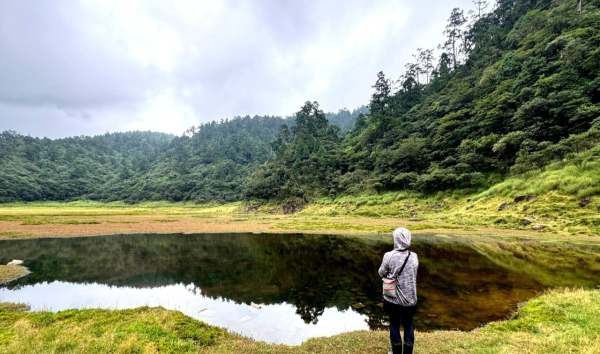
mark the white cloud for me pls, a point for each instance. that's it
(85, 67)
(164, 112)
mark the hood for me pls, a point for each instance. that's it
(401, 238)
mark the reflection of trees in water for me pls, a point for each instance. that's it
(310, 272)
(309, 314)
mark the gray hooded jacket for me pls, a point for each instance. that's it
(406, 287)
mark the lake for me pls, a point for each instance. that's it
(285, 288)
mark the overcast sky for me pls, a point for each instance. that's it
(88, 67)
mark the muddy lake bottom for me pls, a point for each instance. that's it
(278, 288)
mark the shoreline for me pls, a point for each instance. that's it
(470, 219)
(59, 226)
(560, 320)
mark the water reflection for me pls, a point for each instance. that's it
(306, 285)
(276, 323)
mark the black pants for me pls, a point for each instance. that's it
(401, 314)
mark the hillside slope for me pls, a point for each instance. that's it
(561, 199)
(522, 92)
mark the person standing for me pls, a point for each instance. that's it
(401, 265)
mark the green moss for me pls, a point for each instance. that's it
(168, 332)
(530, 317)
(198, 332)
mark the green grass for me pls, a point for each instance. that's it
(556, 194)
(79, 222)
(329, 225)
(12, 234)
(560, 321)
(557, 190)
(563, 178)
(102, 331)
(83, 212)
(164, 220)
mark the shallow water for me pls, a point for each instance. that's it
(304, 285)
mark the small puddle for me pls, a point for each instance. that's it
(281, 288)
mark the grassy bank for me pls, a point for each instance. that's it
(560, 321)
(551, 215)
(93, 218)
(9, 273)
(564, 198)
(547, 213)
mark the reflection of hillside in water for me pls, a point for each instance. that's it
(458, 287)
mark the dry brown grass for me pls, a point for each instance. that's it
(27, 222)
(9, 273)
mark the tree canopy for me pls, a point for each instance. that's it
(512, 90)
(208, 163)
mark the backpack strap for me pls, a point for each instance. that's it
(403, 265)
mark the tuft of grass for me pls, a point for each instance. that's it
(164, 220)
(10, 273)
(80, 222)
(303, 225)
(565, 179)
(14, 234)
(142, 330)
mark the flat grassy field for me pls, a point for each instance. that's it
(548, 215)
(560, 321)
(88, 219)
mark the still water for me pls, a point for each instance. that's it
(276, 288)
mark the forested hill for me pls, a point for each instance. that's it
(71, 168)
(513, 90)
(210, 162)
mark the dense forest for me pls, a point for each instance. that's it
(209, 162)
(514, 88)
